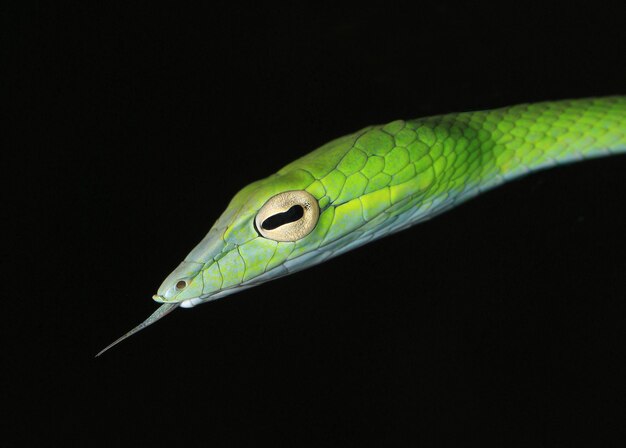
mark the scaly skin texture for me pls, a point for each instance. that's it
(384, 178)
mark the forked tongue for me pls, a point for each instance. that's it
(161, 311)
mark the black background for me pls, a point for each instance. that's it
(501, 322)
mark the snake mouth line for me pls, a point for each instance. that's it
(188, 303)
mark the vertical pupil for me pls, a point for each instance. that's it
(293, 214)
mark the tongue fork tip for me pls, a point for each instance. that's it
(160, 312)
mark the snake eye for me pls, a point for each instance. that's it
(288, 216)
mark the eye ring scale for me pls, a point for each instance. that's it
(288, 216)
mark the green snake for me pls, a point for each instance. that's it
(380, 180)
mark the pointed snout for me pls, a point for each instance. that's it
(177, 282)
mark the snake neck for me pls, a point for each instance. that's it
(502, 144)
(458, 156)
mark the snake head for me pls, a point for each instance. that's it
(263, 234)
(319, 206)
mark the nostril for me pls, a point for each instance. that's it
(181, 285)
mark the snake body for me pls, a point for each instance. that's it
(383, 179)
